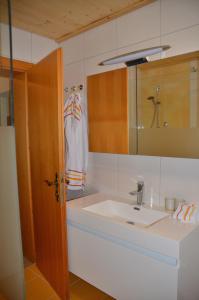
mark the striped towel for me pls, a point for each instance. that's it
(187, 213)
(73, 107)
(76, 142)
(75, 179)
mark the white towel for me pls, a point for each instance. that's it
(187, 213)
(76, 141)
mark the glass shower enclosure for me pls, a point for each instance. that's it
(11, 257)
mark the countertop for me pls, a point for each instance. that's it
(168, 227)
(164, 237)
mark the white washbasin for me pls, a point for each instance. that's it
(126, 212)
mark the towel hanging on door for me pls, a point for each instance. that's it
(76, 141)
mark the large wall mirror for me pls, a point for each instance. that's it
(160, 108)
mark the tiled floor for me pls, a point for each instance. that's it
(36, 285)
(37, 288)
(81, 290)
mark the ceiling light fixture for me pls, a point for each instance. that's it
(136, 57)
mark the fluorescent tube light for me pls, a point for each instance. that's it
(134, 56)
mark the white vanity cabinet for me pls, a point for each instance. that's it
(160, 262)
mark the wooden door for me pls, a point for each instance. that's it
(23, 164)
(46, 131)
(108, 112)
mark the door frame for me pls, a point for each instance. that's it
(18, 65)
(21, 67)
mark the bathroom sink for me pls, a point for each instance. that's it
(131, 214)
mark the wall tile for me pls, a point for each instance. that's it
(103, 179)
(41, 47)
(141, 45)
(104, 160)
(182, 41)
(133, 168)
(73, 49)
(139, 25)
(91, 157)
(100, 39)
(92, 64)
(178, 14)
(26, 46)
(89, 175)
(21, 44)
(103, 173)
(180, 179)
(74, 74)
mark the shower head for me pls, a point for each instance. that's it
(152, 99)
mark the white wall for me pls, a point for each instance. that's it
(27, 46)
(173, 22)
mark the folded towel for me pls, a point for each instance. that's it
(187, 213)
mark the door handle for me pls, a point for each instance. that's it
(49, 183)
(55, 183)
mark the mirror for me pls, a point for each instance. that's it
(148, 109)
(167, 106)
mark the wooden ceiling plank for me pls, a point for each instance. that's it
(61, 19)
(104, 20)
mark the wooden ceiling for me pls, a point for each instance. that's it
(62, 19)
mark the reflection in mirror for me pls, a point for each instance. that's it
(168, 107)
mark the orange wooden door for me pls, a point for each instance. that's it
(46, 131)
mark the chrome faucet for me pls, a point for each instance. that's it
(139, 192)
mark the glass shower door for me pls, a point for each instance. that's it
(11, 257)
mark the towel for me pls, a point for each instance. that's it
(76, 142)
(187, 213)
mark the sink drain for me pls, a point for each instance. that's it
(130, 222)
(136, 208)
